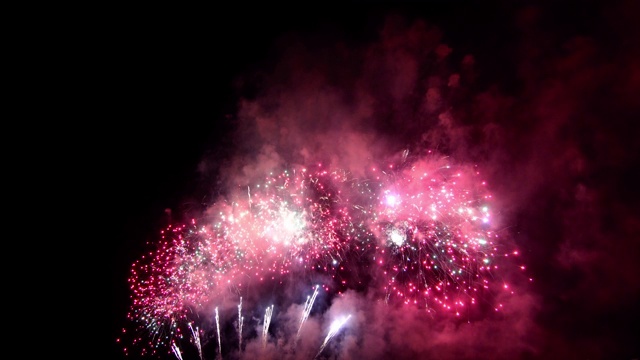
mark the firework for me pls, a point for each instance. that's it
(333, 330)
(196, 339)
(176, 350)
(240, 322)
(268, 313)
(417, 232)
(218, 332)
(436, 244)
(306, 310)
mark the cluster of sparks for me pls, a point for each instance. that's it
(419, 233)
(437, 244)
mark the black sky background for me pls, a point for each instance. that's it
(168, 95)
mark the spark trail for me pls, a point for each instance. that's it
(176, 350)
(265, 325)
(195, 333)
(307, 309)
(240, 322)
(333, 330)
(218, 331)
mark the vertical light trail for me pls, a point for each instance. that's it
(218, 329)
(240, 321)
(265, 326)
(196, 339)
(307, 309)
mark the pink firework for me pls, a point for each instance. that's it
(288, 224)
(421, 234)
(436, 243)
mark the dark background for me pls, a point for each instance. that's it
(164, 96)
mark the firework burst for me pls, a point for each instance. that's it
(419, 233)
(436, 244)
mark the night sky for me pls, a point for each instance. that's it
(542, 98)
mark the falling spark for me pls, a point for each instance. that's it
(333, 330)
(307, 309)
(265, 326)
